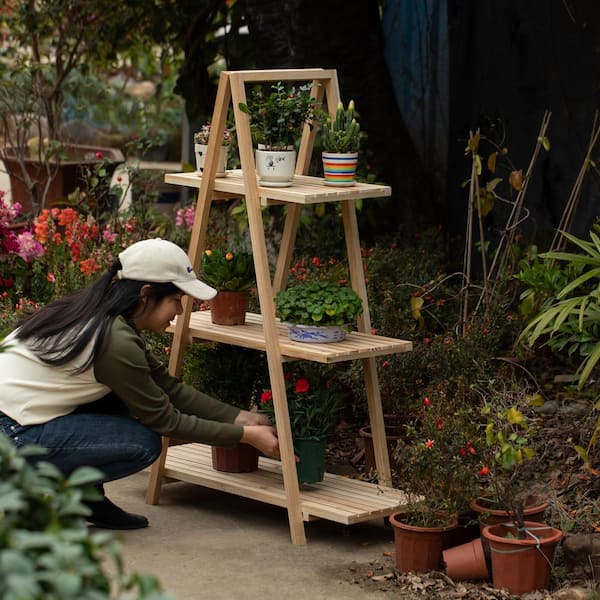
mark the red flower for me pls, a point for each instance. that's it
(99, 155)
(266, 396)
(463, 452)
(429, 444)
(427, 402)
(439, 423)
(302, 385)
(484, 471)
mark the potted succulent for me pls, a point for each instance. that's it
(231, 273)
(439, 465)
(201, 146)
(314, 405)
(341, 142)
(276, 123)
(319, 311)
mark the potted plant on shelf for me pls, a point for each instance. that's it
(314, 405)
(341, 142)
(209, 367)
(439, 469)
(520, 545)
(231, 273)
(319, 311)
(201, 147)
(276, 123)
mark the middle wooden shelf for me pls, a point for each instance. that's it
(251, 335)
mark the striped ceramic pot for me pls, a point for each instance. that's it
(340, 169)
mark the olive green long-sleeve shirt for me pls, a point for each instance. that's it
(32, 392)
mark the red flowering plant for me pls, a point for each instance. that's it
(314, 403)
(440, 461)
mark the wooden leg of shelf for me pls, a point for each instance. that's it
(382, 459)
(156, 475)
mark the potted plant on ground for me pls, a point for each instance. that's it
(201, 147)
(315, 404)
(341, 142)
(439, 467)
(319, 311)
(276, 123)
(231, 273)
(209, 367)
(521, 546)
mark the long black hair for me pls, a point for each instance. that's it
(60, 331)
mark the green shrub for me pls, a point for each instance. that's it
(46, 549)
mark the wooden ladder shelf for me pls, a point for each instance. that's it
(336, 498)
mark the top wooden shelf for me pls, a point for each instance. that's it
(305, 189)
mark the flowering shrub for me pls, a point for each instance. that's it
(314, 404)
(440, 458)
(229, 270)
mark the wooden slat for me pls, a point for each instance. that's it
(356, 345)
(336, 498)
(305, 189)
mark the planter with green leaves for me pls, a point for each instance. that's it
(318, 312)
(276, 123)
(341, 142)
(231, 273)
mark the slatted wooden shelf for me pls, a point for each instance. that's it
(336, 498)
(305, 189)
(356, 345)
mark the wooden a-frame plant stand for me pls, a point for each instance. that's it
(336, 498)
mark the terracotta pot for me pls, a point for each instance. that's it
(392, 435)
(241, 458)
(522, 565)
(488, 515)
(419, 549)
(229, 308)
(466, 561)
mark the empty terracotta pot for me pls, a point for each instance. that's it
(466, 562)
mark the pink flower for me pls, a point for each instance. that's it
(29, 247)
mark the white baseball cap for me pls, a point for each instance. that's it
(161, 261)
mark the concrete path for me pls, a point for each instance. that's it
(206, 544)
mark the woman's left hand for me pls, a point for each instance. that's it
(246, 417)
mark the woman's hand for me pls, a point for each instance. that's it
(245, 417)
(263, 438)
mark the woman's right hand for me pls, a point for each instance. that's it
(263, 438)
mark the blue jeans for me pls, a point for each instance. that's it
(100, 435)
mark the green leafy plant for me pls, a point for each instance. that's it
(569, 322)
(342, 133)
(228, 270)
(314, 403)
(318, 303)
(46, 549)
(277, 118)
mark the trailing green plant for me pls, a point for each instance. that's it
(277, 118)
(568, 322)
(342, 133)
(228, 270)
(318, 303)
(46, 549)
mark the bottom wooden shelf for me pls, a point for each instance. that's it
(336, 498)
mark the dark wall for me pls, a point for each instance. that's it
(510, 61)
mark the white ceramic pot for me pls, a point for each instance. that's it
(275, 168)
(200, 153)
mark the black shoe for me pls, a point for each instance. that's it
(107, 515)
